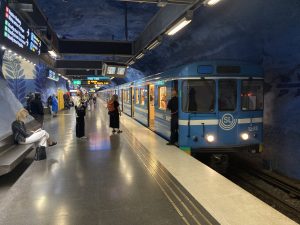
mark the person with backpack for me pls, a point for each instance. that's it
(114, 113)
(54, 105)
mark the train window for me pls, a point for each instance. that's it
(227, 95)
(162, 93)
(199, 96)
(142, 96)
(127, 96)
(137, 96)
(252, 95)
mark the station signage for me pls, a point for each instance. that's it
(52, 75)
(114, 70)
(77, 82)
(95, 82)
(15, 32)
(100, 78)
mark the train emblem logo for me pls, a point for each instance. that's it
(227, 122)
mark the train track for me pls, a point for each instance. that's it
(269, 189)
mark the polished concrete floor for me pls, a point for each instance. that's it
(99, 180)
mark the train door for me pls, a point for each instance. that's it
(151, 114)
(227, 108)
(132, 101)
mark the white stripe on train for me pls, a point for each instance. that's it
(216, 122)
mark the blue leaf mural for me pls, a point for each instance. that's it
(15, 77)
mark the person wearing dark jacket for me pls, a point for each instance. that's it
(37, 109)
(22, 136)
(114, 113)
(173, 107)
(80, 114)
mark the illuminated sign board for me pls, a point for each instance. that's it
(114, 70)
(14, 32)
(98, 78)
(77, 82)
(121, 71)
(95, 82)
(52, 75)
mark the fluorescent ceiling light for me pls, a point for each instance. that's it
(154, 44)
(212, 2)
(178, 26)
(141, 55)
(131, 62)
(52, 53)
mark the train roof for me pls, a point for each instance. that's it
(205, 69)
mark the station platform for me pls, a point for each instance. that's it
(128, 178)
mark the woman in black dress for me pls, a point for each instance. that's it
(114, 113)
(80, 114)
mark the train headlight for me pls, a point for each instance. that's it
(245, 136)
(210, 138)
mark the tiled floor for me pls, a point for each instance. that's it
(94, 181)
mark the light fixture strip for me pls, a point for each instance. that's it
(131, 62)
(153, 45)
(141, 55)
(52, 53)
(212, 2)
(178, 26)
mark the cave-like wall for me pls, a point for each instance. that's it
(265, 32)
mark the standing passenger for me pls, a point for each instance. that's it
(37, 109)
(54, 106)
(173, 106)
(49, 104)
(80, 114)
(113, 111)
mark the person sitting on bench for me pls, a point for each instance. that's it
(22, 136)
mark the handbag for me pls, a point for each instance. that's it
(40, 153)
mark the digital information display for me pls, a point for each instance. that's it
(15, 31)
(121, 71)
(113, 70)
(53, 76)
(95, 82)
(98, 78)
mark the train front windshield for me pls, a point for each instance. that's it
(199, 96)
(252, 95)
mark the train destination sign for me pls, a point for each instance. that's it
(14, 31)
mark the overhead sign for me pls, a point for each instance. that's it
(101, 78)
(95, 82)
(77, 82)
(52, 75)
(15, 32)
(114, 70)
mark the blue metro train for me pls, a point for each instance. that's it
(220, 105)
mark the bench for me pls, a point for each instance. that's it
(12, 154)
